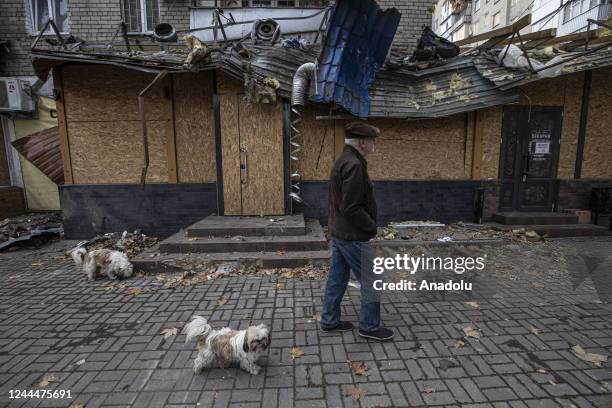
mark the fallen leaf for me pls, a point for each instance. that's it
(223, 300)
(596, 359)
(296, 353)
(316, 317)
(541, 370)
(280, 286)
(46, 380)
(76, 405)
(135, 291)
(288, 275)
(429, 390)
(473, 304)
(37, 264)
(360, 368)
(459, 344)
(535, 330)
(355, 392)
(169, 332)
(80, 362)
(469, 331)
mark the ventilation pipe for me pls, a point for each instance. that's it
(301, 85)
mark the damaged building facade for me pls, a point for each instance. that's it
(462, 137)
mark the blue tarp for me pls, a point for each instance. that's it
(355, 45)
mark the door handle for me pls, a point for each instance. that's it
(244, 165)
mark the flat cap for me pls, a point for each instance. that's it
(360, 130)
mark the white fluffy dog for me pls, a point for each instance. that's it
(224, 346)
(102, 262)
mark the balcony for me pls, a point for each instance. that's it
(579, 23)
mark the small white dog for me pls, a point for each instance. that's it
(102, 262)
(224, 346)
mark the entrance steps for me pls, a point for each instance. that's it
(553, 225)
(269, 242)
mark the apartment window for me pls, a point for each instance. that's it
(476, 27)
(496, 19)
(476, 5)
(285, 3)
(43, 10)
(141, 16)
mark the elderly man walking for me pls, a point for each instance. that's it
(352, 223)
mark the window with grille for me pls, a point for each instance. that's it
(43, 10)
(285, 3)
(140, 16)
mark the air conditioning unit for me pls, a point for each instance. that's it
(15, 95)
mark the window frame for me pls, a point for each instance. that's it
(498, 14)
(51, 10)
(144, 26)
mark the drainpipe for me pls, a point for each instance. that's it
(301, 85)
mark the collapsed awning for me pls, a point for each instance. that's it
(42, 149)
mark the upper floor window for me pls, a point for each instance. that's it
(476, 5)
(43, 10)
(140, 16)
(496, 19)
(285, 3)
(577, 7)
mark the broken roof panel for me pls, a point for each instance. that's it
(356, 42)
(42, 149)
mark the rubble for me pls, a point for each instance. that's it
(34, 228)
(130, 243)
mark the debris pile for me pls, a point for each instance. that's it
(429, 231)
(39, 227)
(130, 243)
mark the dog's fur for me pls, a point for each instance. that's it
(103, 262)
(224, 346)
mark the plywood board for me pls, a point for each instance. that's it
(103, 93)
(194, 127)
(112, 152)
(597, 162)
(317, 140)
(489, 128)
(63, 126)
(261, 135)
(424, 149)
(230, 150)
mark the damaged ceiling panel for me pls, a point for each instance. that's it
(355, 45)
(42, 149)
(441, 91)
(506, 78)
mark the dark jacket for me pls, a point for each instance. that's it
(352, 208)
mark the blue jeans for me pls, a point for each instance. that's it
(347, 256)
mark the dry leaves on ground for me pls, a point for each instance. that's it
(429, 390)
(296, 353)
(469, 331)
(169, 332)
(535, 330)
(473, 304)
(459, 344)
(223, 300)
(360, 368)
(135, 291)
(316, 317)
(596, 359)
(46, 380)
(355, 392)
(76, 405)
(280, 286)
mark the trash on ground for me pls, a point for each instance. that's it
(596, 359)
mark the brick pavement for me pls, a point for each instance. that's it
(51, 319)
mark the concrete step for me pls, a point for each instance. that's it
(224, 226)
(155, 262)
(535, 218)
(558, 231)
(313, 240)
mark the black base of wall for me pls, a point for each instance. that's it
(157, 210)
(577, 193)
(440, 200)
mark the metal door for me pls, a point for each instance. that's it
(529, 157)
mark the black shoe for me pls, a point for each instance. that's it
(341, 327)
(381, 334)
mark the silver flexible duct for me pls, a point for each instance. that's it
(301, 85)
